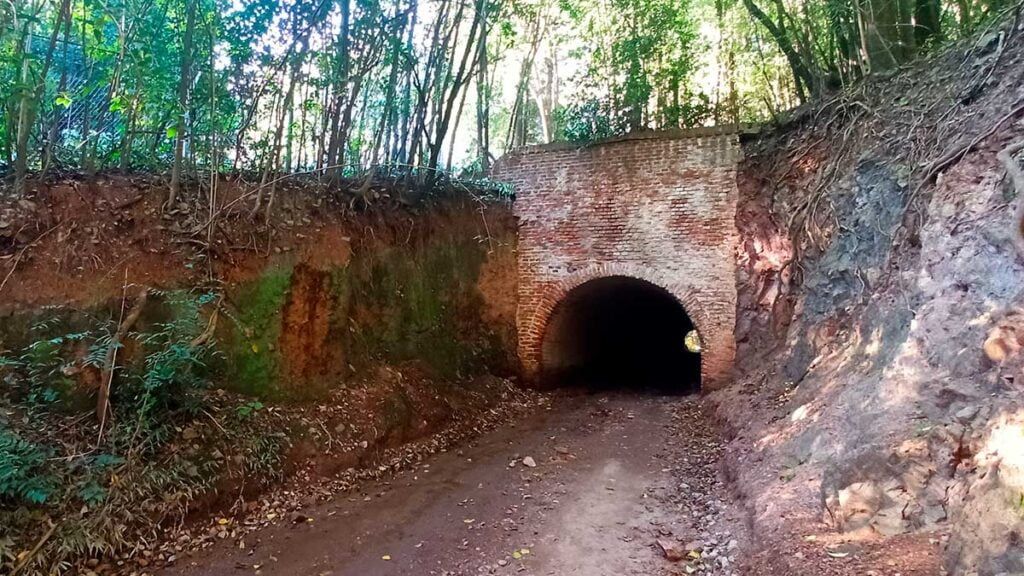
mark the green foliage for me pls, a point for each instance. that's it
(174, 367)
(585, 123)
(280, 86)
(248, 409)
(641, 55)
(104, 492)
(23, 475)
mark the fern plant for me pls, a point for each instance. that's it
(23, 475)
(103, 493)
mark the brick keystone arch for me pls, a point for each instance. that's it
(659, 207)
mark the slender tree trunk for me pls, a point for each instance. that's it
(51, 135)
(465, 71)
(342, 73)
(483, 98)
(24, 115)
(804, 79)
(184, 82)
(405, 120)
(927, 22)
(30, 98)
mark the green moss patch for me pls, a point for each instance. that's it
(251, 363)
(420, 303)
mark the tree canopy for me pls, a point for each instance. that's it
(353, 88)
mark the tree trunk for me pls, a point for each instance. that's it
(24, 117)
(465, 71)
(51, 134)
(483, 99)
(336, 144)
(927, 22)
(803, 77)
(184, 83)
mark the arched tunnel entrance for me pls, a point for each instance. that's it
(621, 332)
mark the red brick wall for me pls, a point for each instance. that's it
(658, 207)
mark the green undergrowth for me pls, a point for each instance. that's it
(195, 417)
(80, 490)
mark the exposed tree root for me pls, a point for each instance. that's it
(107, 375)
(1006, 156)
(17, 260)
(954, 156)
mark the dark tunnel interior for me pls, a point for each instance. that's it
(620, 333)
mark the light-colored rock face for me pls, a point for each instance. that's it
(659, 209)
(879, 383)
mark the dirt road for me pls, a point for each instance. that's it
(587, 487)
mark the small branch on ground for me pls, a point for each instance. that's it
(35, 549)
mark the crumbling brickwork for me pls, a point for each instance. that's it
(658, 207)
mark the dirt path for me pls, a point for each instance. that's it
(613, 474)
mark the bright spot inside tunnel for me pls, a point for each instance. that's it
(623, 333)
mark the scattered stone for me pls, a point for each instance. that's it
(529, 462)
(967, 413)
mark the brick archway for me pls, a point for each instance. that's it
(657, 206)
(718, 349)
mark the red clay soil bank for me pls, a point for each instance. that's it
(72, 239)
(876, 417)
(343, 338)
(76, 243)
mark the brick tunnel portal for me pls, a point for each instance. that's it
(620, 332)
(655, 210)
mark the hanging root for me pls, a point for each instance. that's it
(110, 360)
(1006, 156)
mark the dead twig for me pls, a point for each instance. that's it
(35, 549)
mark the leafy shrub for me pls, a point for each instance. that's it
(105, 491)
(23, 478)
(174, 367)
(587, 122)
